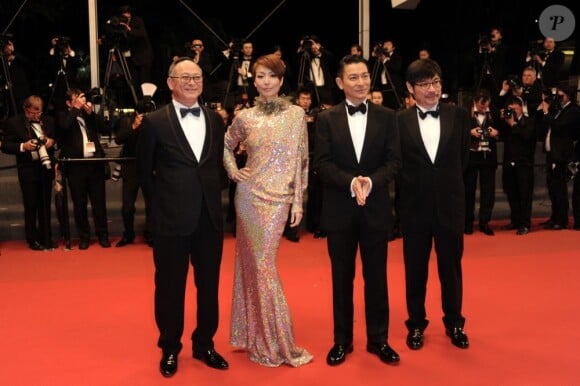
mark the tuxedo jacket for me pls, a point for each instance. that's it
(18, 130)
(336, 164)
(70, 137)
(519, 142)
(177, 182)
(564, 127)
(433, 193)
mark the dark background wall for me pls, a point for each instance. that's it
(448, 27)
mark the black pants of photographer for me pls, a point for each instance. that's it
(86, 180)
(518, 185)
(36, 187)
(486, 175)
(130, 192)
(557, 178)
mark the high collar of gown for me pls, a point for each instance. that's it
(274, 106)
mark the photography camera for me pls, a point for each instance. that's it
(536, 48)
(40, 152)
(514, 82)
(236, 49)
(554, 99)
(508, 113)
(307, 42)
(483, 141)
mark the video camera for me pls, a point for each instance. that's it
(508, 113)
(378, 50)
(484, 42)
(307, 42)
(62, 44)
(4, 40)
(236, 49)
(115, 30)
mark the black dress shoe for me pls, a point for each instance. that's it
(168, 364)
(576, 227)
(554, 227)
(458, 337)
(212, 359)
(124, 241)
(51, 245)
(509, 227)
(468, 229)
(104, 242)
(36, 246)
(84, 244)
(384, 352)
(293, 237)
(337, 354)
(522, 231)
(415, 339)
(547, 222)
(486, 230)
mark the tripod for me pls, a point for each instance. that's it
(116, 54)
(306, 63)
(8, 85)
(486, 72)
(375, 74)
(61, 78)
(233, 70)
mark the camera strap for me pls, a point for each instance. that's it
(37, 129)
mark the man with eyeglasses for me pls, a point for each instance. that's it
(179, 164)
(24, 135)
(435, 152)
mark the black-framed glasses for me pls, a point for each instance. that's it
(436, 83)
(188, 78)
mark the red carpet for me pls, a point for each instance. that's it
(86, 318)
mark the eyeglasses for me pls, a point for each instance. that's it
(436, 83)
(184, 79)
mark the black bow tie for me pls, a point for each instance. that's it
(477, 113)
(194, 110)
(353, 109)
(433, 113)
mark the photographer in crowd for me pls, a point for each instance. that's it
(62, 67)
(548, 62)
(30, 137)
(493, 60)
(18, 78)
(386, 73)
(317, 72)
(528, 89)
(519, 136)
(127, 135)
(560, 125)
(482, 162)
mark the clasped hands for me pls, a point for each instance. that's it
(361, 187)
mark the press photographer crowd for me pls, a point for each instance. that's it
(60, 130)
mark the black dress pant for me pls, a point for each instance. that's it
(518, 184)
(130, 192)
(36, 187)
(557, 181)
(486, 174)
(86, 181)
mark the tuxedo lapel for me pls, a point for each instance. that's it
(446, 124)
(343, 130)
(209, 136)
(178, 133)
(415, 134)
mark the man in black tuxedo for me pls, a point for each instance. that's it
(24, 136)
(549, 63)
(78, 137)
(519, 138)
(356, 156)
(435, 146)
(560, 122)
(179, 162)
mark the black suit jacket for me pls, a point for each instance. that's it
(174, 178)
(564, 126)
(18, 130)
(69, 135)
(434, 191)
(335, 162)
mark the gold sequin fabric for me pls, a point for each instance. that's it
(276, 145)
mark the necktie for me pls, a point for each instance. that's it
(423, 114)
(194, 110)
(353, 109)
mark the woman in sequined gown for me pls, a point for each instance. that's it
(272, 182)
